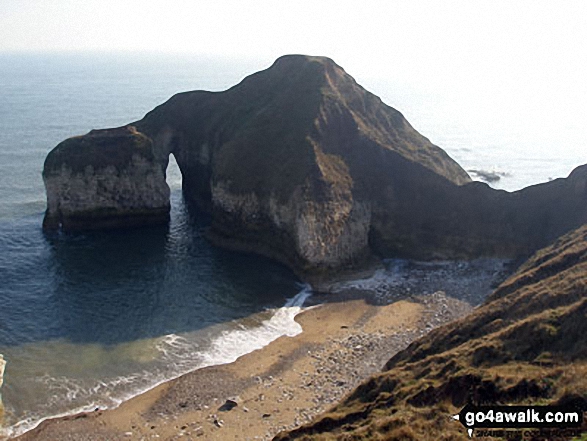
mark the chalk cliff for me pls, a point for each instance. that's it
(300, 163)
(524, 346)
(107, 178)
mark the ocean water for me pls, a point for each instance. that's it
(88, 320)
(522, 140)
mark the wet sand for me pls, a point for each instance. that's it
(348, 334)
(275, 388)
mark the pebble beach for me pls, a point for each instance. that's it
(347, 335)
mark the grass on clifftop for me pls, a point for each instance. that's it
(262, 132)
(526, 345)
(99, 149)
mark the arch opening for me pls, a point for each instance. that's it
(173, 175)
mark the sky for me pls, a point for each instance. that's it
(519, 63)
(461, 45)
(458, 39)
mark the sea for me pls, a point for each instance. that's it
(89, 320)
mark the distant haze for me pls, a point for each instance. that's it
(517, 68)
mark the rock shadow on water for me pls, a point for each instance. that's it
(115, 286)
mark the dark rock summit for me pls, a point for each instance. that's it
(300, 163)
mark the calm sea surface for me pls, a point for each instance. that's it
(87, 320)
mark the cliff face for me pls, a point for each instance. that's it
(278, 160)
(422, 217)
(301, 163)
(107, 178)
(526, 345)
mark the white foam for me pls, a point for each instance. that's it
(2, 365)
(179, 356)
(381, 277)
(231, 345)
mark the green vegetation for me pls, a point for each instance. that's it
(98, 149)
(266, 132)
(302, 140)
(526, 345)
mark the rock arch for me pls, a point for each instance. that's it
(300, 163)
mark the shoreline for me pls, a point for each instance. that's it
(277, 387)
(347, 335)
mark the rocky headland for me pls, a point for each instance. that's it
(300, 163)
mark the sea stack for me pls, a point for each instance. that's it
(107, 178)
(300, 163)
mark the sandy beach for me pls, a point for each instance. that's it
(275, 388)
(347, 335)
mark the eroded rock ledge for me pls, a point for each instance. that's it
(300, 163)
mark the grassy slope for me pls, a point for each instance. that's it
(351, 111)
(525, 345)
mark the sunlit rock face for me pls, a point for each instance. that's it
(107, 178)
(300, 163)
